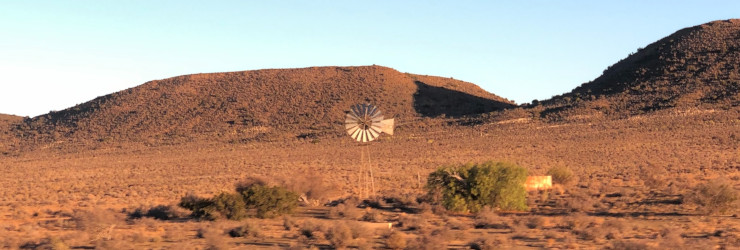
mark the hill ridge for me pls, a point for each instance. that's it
(694, 66)
(256, 105)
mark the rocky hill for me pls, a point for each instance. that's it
(694, 67)
(248, 105)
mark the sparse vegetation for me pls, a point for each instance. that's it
(396, 240)
(714, 197)
(561, 175)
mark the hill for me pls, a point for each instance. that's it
(260, 104)
(6, 122)
(694, 67)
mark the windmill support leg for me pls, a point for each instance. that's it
(370, 167)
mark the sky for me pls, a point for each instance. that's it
(57, 54)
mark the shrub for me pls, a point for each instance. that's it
(160, 212)
(561, 175)
(487, 218)
(436, 239)
(714, 197)
(230, 205)
(200, 207)
(628, 245)
(372, 216)
(249, 229)
(315, 189)
(270, 201)
(470, 187)
(490, 242)
(396, 240)
(289, 223)
(339, 235)
(345, 211)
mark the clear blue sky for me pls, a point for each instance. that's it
(55, 54)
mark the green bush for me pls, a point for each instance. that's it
(470, 187)
(230, 205)
(200, 207)
(270, 201)
(561, 175)
(267, 202)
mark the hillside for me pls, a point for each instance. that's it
(6, 137)
(694, 67)
(257, 105)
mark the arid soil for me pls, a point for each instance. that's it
(47, 193)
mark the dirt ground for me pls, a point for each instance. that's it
(633, 175)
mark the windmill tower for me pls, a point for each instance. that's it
(364, 123)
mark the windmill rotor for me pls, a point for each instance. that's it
(365, 123)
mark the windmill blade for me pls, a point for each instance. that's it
(351, 118)
(351, 128)
(356, 134)
(387, 126)
(373, 111)
(363, 135)
(356, 110)
(373, 133)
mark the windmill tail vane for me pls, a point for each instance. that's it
(365, 123)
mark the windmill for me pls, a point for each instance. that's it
(364, 123)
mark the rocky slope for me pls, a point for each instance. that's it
(248, 105)
(694, 67)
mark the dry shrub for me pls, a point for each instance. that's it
(714, 197)
(53, 243)
(614, 228)
(339, 235)
(112, 244)
(536, 222)
(372, 215)
(577, 222)
(577, 202)
(629, 245)
(487, 218)
(358, 229)
(313, 189)
(214, 236)
(98, 222)
(396, 240)
(289, 222)
(313, 228)
(413, 222)
(160, 212)
(436, 239)
(561, 175)
(671, 238)
(248, 229)
(490, 242)
(174, 233)
(250, 181)
(653, 177)
(345, 211)
(453, 223)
